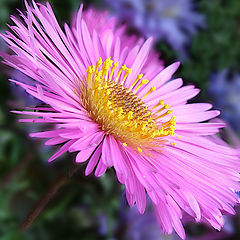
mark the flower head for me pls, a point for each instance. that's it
(111, 102)
(171, 20)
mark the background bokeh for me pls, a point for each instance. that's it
(205, 36)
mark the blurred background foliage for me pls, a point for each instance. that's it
(217, 47)
(86, 207)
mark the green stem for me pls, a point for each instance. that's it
(41, 204)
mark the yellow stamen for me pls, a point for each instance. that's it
(139, 149)
(122, 68)
(105, 68)
(139, 76)
(120, 112)
(144, 81)
(165, 114)
(171, 122)
(152, 89)
(89, 73)
(166, 106)
(160, 103)
(99, 63)
(112, 71)
(128, 71)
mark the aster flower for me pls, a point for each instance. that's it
(112, 103)
(173, 21)
(224, 90)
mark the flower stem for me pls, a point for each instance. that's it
(41, 204)
(6, 179)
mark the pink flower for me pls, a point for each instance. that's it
(112, 103)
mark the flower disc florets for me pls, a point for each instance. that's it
(119, 111)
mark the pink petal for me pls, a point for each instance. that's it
(84, 155)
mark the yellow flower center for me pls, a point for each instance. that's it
(120, 112)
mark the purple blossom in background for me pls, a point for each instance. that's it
(135, 226)
(173, 21)
(17, 92)
(20, 93)
(224, 90)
